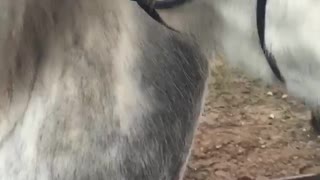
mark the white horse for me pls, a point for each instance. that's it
(95, 90)
(289, 37)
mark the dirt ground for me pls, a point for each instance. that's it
(249, 131)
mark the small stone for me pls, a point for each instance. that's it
(263, 146)
(284, 96)
(240, 151)
(218, 146)
(271, 116)
(270, 93)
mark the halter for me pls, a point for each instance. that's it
(152, 13)
(261, 13)
(167, 4)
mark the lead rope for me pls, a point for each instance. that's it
(261, 12)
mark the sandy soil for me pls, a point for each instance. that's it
(249, 131)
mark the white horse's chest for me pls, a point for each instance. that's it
(18, 152)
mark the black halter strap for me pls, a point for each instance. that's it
(261, 12)
(153, 13)
(167, 4)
